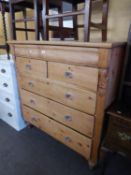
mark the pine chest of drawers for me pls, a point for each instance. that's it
(66, 87)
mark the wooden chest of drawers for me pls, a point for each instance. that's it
(65, 88)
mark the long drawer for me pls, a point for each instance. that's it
(82, 76)
(74, 55)
(74, 140)
(69, 95)
(37, 68)
(76, 120)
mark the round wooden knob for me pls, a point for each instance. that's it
(68, 75)
(67, 139)
(67, 118)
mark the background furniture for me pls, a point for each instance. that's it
(10, 110)
(3, 9)
(124, 96)
(42, 17)
(68, 103)
(118, 136)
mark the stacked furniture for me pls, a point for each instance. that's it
(65, 88)
(3, 9)
(10, 110)
(42, 17)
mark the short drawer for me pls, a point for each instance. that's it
(73, 55)
(74, 140)
(80, 99)
(74, 119)
(32, 67)
(85, 77)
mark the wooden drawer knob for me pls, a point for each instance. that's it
(68, 75)
(68, 96)
(30, 84)
(28, 67)
(33, 119)
(3, 71)
(5, 84)
(32, 101)
(67, 118)
(67, 139)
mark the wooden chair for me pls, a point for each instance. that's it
(21, 6)
(87, 11)
(3, 10)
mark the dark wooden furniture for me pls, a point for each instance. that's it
(42, 18)
(21, 6)
(118, 137)
(3, 9)
(86, 11)
(124, 97)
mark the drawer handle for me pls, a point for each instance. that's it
(67, 118)
(3, 71)
(67, 139)
(7, 99)
(32, 101)
(5, 84)
(33, 119)
(124, 137)
(30, 84)
(68, 96)
(10, 115)
(68, 75)
(28, 66)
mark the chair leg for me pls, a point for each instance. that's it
(45, 21)
(75, 21)
(25, 23)
(87, 19)
(12, 21)
(105, 9)
(36, 14)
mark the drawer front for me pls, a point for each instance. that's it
(35, 68)
(73, 97)
(82, 76)
(74, 140)
(73, 55)
(76, 120)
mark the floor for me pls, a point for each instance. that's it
(32, 152)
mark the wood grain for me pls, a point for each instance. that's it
(71, 96)
(74, 119)
(84, 77)
(36, 68)
(74, 140)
